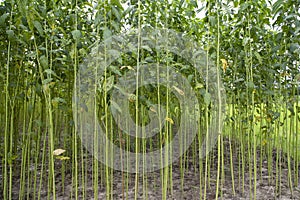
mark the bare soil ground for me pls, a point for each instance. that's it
(187, 187)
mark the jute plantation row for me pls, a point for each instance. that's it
(69, 69)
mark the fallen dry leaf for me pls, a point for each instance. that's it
(58, 152)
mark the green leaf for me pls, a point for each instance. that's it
(207, 98)
(297, 30)
(276, 6)
(250, 85)
(2, 76)
(113, 52)
(115, 106)
(59, 100)
(146, 47)
(117, 3)
(149, 59)
(76, 34)
(51, 72)
(109, 83)
(245, 41)
(239, 80)
(194, 3)
(244, 6)
(212, 20)
(116, 13)
(11, 158)
(3, 18)
(106, 33)
(190, 78)
(294, 46)
(11, 35)
(39, 27)
(115, 25)
(46, 81)
(44, 61)
(115, 69)
(297, 77)
(290, 16)
(258, 57)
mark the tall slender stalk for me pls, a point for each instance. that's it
(7, 190)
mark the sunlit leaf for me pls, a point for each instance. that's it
(199, 86)
(58, 152)
(178, 90)
(132, 98)
(224, 64)
(127, 66)
(62, 157)
(153, 110)
(169, 120)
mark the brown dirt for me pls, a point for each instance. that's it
(188, 189)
